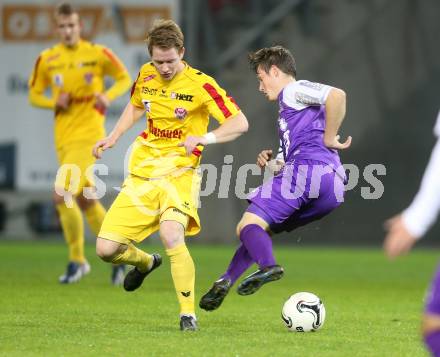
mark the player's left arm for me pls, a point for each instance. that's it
(233, 122)
(335, 108)
(113, 67)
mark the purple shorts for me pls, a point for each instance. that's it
(305, 191)
(433, 297)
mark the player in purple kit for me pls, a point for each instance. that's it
(309, 178)
(406, 228)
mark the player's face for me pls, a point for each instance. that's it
(168, 62)
(268, 83)
(69, 29)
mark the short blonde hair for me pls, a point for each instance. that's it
(165, 34)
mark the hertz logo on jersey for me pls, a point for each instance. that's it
(180, 96)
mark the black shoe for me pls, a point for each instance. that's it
(214, 297)
(254, 281)
(188, 323)
(134, 278)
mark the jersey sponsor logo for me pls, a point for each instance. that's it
(82, 100)
(58, 79)
(149, 91)
(53, 57)
(164, 133)
(56, 67)
(88, 64)
(305, 98)
(149, 78)
(180, 113)
(312, 85)
(181, 96)
(147, 105)
(163, 93)
(88, 77)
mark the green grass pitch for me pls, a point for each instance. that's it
(373, 306)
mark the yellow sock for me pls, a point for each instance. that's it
(183, 273)
(134, 256)
(95, 216)
(73, 229)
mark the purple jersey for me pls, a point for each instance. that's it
(302, 123)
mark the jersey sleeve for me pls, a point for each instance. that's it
(113, 67)
(303, 94)
(135, 93)
(218, 104)
(424, 209)
(39, 81)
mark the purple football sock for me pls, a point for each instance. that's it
(258, 244)
(239, 264)
(432, 340)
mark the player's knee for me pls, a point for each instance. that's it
(107, 250)
(171, 235)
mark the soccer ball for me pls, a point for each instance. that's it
(303, 312)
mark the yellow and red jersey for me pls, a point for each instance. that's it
(174, 110)
(78, 71)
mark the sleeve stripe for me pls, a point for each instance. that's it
(112, 58)
(218, 99)
(37, 63)
(133, 87)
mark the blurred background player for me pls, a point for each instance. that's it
(310, 115)
(412, 224)
(161, 192)
(74, 70)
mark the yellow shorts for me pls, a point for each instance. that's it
(143, 203)
(74, 161)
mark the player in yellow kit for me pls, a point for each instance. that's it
(74, 70)
(161, 191)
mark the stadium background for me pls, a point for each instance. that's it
(383, 53)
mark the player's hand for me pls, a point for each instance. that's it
(263, 158)
(398, 240)
(62, 102)
(191, 143)
(275, 166)
(101, 102)
(336, 144)
(103, 145)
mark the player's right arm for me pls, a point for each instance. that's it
(131, 114)
(38, 83)
(335, 113)
(412, 224)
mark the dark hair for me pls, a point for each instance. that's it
(279, 56)
(65, 9)
(164, 34)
